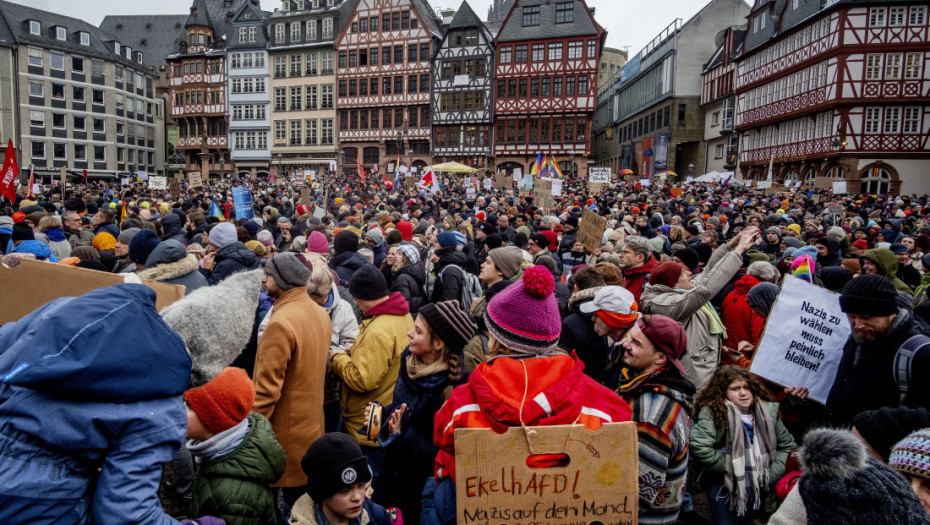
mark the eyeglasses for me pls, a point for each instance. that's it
(531, 243)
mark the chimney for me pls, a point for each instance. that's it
(193, 10)
(447, 15)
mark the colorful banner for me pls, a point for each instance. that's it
(242, 197)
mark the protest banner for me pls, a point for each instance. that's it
(158, 183)
(194, 180)
(591, 230)
(500, 180)
(34, 283)
(542, 194)
(599, 175)
(764, 184)
(839, 187)
(242, 198)
(596, 483)
(803, 340)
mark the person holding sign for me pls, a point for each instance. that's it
(739, 443)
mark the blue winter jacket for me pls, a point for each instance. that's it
(90, 409)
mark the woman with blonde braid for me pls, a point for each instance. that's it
(431, 366)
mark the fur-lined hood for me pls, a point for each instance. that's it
(830, 453)
(581, 296)
(171, 270)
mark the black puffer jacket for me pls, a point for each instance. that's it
(231, 259)
(578, 335)
(409, 282)
(171, 223)
(345, 264)
(448, 287)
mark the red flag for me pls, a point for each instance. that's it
(122, 213)
(85, 176)
(9, 173)
(31, 178)
(361, 172)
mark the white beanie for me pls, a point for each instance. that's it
(223, 234)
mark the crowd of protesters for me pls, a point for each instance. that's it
(328, 347)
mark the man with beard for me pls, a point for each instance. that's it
(866, 379)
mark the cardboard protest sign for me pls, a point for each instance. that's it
(591, 230)
(823, 183)
(599, 484)
(500, 180)
(194, 180)
(242, 198)
(410, 182)
(175, 186)
(839, 187)
(595, 187)
(304, 195)
(158, 183)
(600, 175)
(803, 339)
(508, 181)
(35, 283)
(836, 209)
(542, 192)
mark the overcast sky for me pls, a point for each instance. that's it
(628, 23)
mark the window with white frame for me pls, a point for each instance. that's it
(279, 33)
(893, 66)
(326, 100)
(35, 28)
(574, 50)
(918, 15)
(715, 118)
(892, 119)
(310, 132)
(36, 88)
(295, 133)
(38, 150)
(873, 120)
(36, 118)
(506, 55)
(311, 63)
(896, 15)
(311, 97)
(326, 131)
(912, 66)
(100, 153)
(311, 30)
(80, 123)
(243, 34)
(34, 56)
(877, 17)
(873, 66)
(911, 122)
(85, 39)
(295, 31)
(327, 28)
(555, 51)
(61, 33)
(718, 151)
(80, 152)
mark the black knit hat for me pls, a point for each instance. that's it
(22, 232)
(142, 245)
(884, 427)
(541, 240)
(450, 323)
(334, 463)
(869, 295)
(345, 241)
(688, 257)
(368, 283)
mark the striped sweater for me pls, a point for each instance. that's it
(662, 402)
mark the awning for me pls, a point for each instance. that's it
(290, 162)
(262, 164)
(453, 167)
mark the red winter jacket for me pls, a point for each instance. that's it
(634, 279)
(741, 323)
(559, 394)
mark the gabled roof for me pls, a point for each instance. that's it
(428, 17)
(248, 15)
(465, 18)
(157, 36)
(15, 30)
(583, 23)
(199, 16)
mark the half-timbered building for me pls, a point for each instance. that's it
(546, 64)
(461, 97)
(832, 90)
(383, 84)
(718, 100)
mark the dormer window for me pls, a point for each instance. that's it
(61, 33)
(139, 56)
(128, 53)
(85, 38)
(287, 6)
(35, 28)
(116, 47)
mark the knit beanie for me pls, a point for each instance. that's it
(525, 317)
(368, 284)
(85, 253)
(862, 244)
(263, 237)
(553, 239)
(125, 236)
(507, 260)
(836, 230)
(806, 250)
(298, 244)
(410, 252)
(872, 295)
(22, 232)
(446, 239)
(842, 484)
(345, 241)
(762, 296)
(103, 241)
(460, 239)
(223, 234)
(289, 270)
(252, 227)
(796, 228)
(884, 427)
(317, 243)
(911, 456)
(332, 464)
(666, 274)
(541, 240)
(142, 245)
(375, 235)
(450, 323)
(688, 257)
(792, 242)
(224, 401)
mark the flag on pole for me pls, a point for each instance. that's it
(361, 172)
(771, 162)
(31, 178)
(537, 166)
(429, 181)
(9, 173)
(554, 167)
(122, 213)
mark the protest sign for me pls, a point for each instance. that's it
(304, 195)
(175, 187)
(764, 184)
(319, 212)
(527, 182)
(591, 230)
(803, 339)
(597, 483)
(839, 187)
(556, 187)
(124, 181)
(645, 183)
(486, 183)
(194, 180)
(471, 193)
(599, 175)
(410, 181)
(508, 181)
(836, 209)
(142, 175)
(500, 180)
(595, 187)
(542, 194)
(469, 182)
(34, 283)
(158, 183)
(823, 183)
(242, 198)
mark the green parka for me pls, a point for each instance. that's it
(236, 487)
(887, 265)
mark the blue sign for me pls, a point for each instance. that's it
(242, 197)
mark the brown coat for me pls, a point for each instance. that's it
(289, 373)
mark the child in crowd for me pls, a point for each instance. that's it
(237, 452)
(338, 481)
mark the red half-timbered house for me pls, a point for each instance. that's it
(547, 55)
(383, 84)
(836, 90)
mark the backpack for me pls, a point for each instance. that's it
(903, 359)
(471, 287)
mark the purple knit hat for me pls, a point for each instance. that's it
(525, 316)
(317, 243)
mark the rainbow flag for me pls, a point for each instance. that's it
(554, 167)
(536, 170)
(803, 268)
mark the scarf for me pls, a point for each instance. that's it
(220, 444)
(747, 468)
(416, 369)
(55, 234)
(715, 325)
